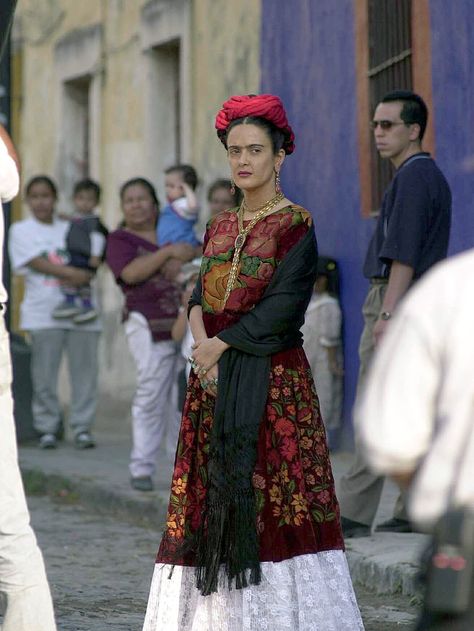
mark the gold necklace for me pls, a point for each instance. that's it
(242, 237)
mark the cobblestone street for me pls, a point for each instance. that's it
(100, 569)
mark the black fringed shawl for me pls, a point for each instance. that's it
(228, 534)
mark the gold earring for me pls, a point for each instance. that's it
(232, 187)
(277, 182)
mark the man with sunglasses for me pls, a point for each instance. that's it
(411, 235)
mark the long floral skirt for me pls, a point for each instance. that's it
(301, 545)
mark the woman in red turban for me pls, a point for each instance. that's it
(253, 526)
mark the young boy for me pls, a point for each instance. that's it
(178, 217)
(85, 244)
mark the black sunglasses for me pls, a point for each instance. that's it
(386, 125)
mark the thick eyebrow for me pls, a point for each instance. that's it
(247, 147)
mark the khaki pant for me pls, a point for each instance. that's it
(23, 579)
(359, 490)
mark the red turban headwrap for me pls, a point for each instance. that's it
(264, 106)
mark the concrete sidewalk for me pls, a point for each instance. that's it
(384, 563)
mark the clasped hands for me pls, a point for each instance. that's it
(206, 353)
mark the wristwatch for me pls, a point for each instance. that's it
(385, 315)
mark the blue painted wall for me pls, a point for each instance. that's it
(452, 42)
(307, 59)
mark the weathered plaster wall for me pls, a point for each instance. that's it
(226, 48)
(116, 45)
(38, 26)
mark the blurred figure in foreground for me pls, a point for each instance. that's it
(22, 575)
(323, 343)
(415, 422)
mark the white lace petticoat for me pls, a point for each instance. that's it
(312, 592)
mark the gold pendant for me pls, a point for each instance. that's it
(239, 241)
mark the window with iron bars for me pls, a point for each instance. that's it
(390, 68)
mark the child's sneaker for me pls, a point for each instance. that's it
(48, 441)
(84, 440)
(85, 314)
(65, 310)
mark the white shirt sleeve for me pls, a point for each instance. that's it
(330, 315)
(182, 208)
(21, 247)
(9, 176)
(97, 243)
(396, 413)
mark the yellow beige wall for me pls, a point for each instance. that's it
(223, 59)
(121, 47)
(226, 53)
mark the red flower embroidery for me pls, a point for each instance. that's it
(271, 414)
(222, 235)
(284, 427)
(261, 246)
(265, 271)
(188, 439)
(324, 497)
(289, 448)
(274, 458)
(291, 410)
(296, 470)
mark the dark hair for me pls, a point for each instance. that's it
(187, 172)
(223, 183)
(276, 136)
(140, 181)
(414, 109)
(41, 179)
(328, 268)
(87, 185)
